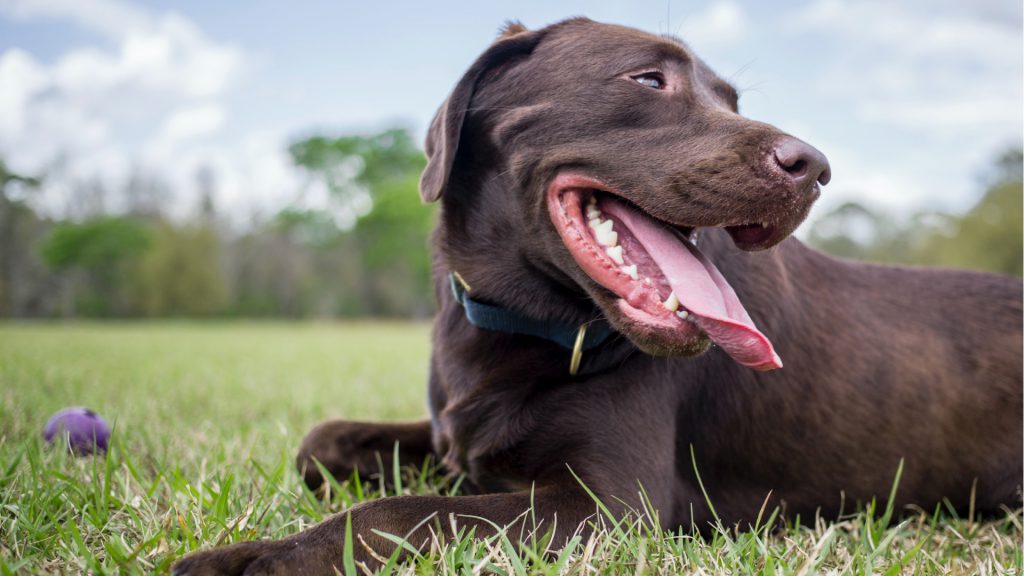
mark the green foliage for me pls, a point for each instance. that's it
(987, 237)
(314, 228)
(364, 254)
(393, 241)
(853, 230)
(181, 273)
(390, 155)
(399, 224)
(24, 289)
(105, 250)
(134, 267)
(388, 244)
(96, 244)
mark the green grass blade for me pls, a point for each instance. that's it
(348, 554)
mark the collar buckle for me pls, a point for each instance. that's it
(577, 350)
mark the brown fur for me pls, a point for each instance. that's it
(882, 364)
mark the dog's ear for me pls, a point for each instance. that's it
(443, 137)
(511, 28)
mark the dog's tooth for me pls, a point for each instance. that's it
(615, 253)
(630, 271)
(607, 238)
(683, 314)
(605, 235)
(671, 303)
(594, 223)
(593, 213)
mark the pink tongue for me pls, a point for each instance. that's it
(701, 289)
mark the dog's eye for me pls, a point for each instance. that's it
(651, 80)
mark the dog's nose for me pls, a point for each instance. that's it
(801, 162)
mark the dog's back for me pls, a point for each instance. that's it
(883, 364)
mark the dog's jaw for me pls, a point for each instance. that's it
(668, 298)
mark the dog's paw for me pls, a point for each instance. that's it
(342, 448)
(243, 559)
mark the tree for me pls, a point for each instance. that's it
(181, 273)
(27, 288)
(104, 250)
(375, 219)
(986, 237)
(360, 250)
(853, 230)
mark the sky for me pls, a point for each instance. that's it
(910, 100)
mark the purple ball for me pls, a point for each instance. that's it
(83, 431)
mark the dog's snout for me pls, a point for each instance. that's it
(801, 162)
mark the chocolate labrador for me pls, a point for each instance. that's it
(618, 296)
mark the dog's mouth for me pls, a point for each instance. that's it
(666, 290)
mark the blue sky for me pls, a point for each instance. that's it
(909, 99)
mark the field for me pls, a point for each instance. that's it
(207, 418)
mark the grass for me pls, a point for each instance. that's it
(207, 418)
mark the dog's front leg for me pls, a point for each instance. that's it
(344, 446)
(417, 519)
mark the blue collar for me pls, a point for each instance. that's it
(489, 317)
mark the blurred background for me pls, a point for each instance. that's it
(260, 159)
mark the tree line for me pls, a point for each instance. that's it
(988, 236)
(363, 255)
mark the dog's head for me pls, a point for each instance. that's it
(575, 165)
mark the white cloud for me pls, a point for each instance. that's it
(20, 78)
(109, 17)
(948, 72)
(722, 24)
(152, 99)
(191, 122)
(946, 114)
(169, 54)
(929, 91)
(253, 176)
(856, 177)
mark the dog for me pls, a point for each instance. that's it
(618, 294)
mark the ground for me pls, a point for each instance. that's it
(207, 417)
